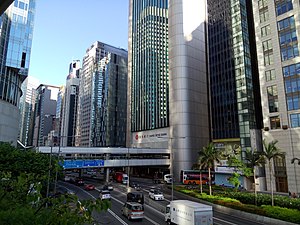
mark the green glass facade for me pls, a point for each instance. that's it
(235, 99)
(150, 73)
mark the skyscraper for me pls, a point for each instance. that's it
(27, 103)
(168, 105)
(102, 97)
(70, 105)
(16, 30)
(45, 115)
(234, 83)
(277, 30)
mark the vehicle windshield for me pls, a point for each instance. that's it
(167, 209)
(137, 207)
(157, 192)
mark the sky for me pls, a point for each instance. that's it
(65, 29)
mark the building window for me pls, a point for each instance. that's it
(293, 102)
(287, 37)
(289, 52)
(291, 70)
(265, 31)
(275, 122)
(286, 23)
(270, 75)
(263, 15)
(292, 85)
(262, 4)
(268, 58)
(283, 6)
(267, 45)
(272, 98)
(295, 120)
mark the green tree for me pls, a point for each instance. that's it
(207, 158)
(253, 159)
(270, 152)
(24, 176)
(234, 180)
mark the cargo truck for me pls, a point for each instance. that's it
(185, 212)
(121, 177)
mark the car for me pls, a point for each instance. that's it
(105, 195)
(67, 178)
(108, 187)
(156, 194)
(89, 187)
(79, 181)
(133, 210)
(135, 197)
(135, 186)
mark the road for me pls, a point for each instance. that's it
(154, 210)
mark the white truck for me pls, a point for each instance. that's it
(168, 178)
(185, 212)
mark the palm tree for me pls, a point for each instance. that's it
(270, 152)
(200, 168)
(252, 160)
(207, 158)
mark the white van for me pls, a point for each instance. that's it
(168, 178)
(133, 210)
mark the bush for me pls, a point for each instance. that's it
(245, 201)
(263, 199)
(290, 215)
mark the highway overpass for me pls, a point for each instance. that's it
(80, 157)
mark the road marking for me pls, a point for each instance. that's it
(151, 221)
(117, 217)
(110, 211)
(224, 221)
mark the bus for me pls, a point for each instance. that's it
(193, 177)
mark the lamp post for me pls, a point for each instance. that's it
(172, 160)
(58, 154)
(128, 170)
(49, 172)
(56, 172)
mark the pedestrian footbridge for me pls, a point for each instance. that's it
(97, 157)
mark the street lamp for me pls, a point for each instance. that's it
(58, 154)
(49, 172)
(172, 160)
(128, 170)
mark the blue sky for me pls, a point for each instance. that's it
(64, 29)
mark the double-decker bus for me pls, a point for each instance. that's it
(193, 176)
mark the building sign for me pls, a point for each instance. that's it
(73, 164)
(150, 136)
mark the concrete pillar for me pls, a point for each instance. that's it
(107, 156)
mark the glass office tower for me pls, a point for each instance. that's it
(16, 29)
(167, 80)
(45, 116)
(27, 103)
(102, 96)
(113, 110)
(234, 83)
(149, 65)
(70, 105)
